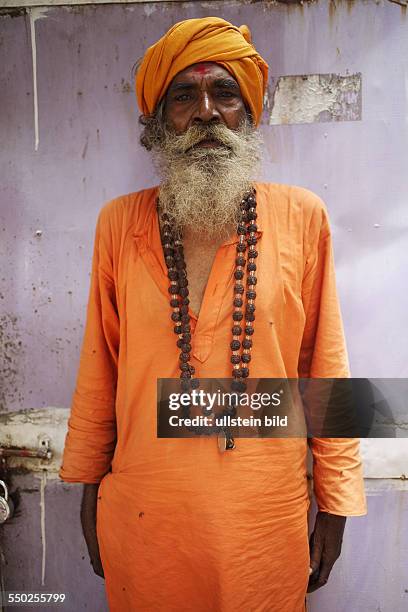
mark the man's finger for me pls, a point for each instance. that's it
(314, 585)
(320, 578)
(97, 568)
(315, 553)
(325, 568)
(97, 565)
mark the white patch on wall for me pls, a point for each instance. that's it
(34, 430)
(43, 483)
(149, 9)
(35, 14)
(385, 457)
(316, 98)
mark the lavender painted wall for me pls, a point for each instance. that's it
(88, 153)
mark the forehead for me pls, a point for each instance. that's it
(207, 70)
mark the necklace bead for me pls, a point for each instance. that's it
(238, 385)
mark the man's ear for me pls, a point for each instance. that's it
(249, 115)
(160, 110)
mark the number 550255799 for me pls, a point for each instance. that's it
(21, 598)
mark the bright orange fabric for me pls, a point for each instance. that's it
(181, 526)
(209, 39)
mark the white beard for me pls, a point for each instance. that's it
(202, 187)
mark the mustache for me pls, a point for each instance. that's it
(225, 137)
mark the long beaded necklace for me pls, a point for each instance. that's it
(179, 302)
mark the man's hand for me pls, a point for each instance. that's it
(325, 547)
(88, 521)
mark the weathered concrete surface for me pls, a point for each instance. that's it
(33, 430)
(316, 97)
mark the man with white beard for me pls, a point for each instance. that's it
(175, 524)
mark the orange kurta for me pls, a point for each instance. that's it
(181, 526)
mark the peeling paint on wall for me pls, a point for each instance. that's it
(385, 458)
(316, 98)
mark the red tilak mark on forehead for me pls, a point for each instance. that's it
(201, 69)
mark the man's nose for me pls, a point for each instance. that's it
(206, 110)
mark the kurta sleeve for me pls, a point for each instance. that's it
(337, 468)
(91, 437)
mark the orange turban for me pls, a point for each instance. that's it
(209, 39)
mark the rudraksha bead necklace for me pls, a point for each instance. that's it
(243, 321)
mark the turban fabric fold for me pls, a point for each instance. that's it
(209, 39)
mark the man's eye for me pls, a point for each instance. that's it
(182, 97)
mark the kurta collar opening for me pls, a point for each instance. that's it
(147, 229)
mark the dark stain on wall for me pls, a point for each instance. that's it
(11, 350)
(12, 12)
